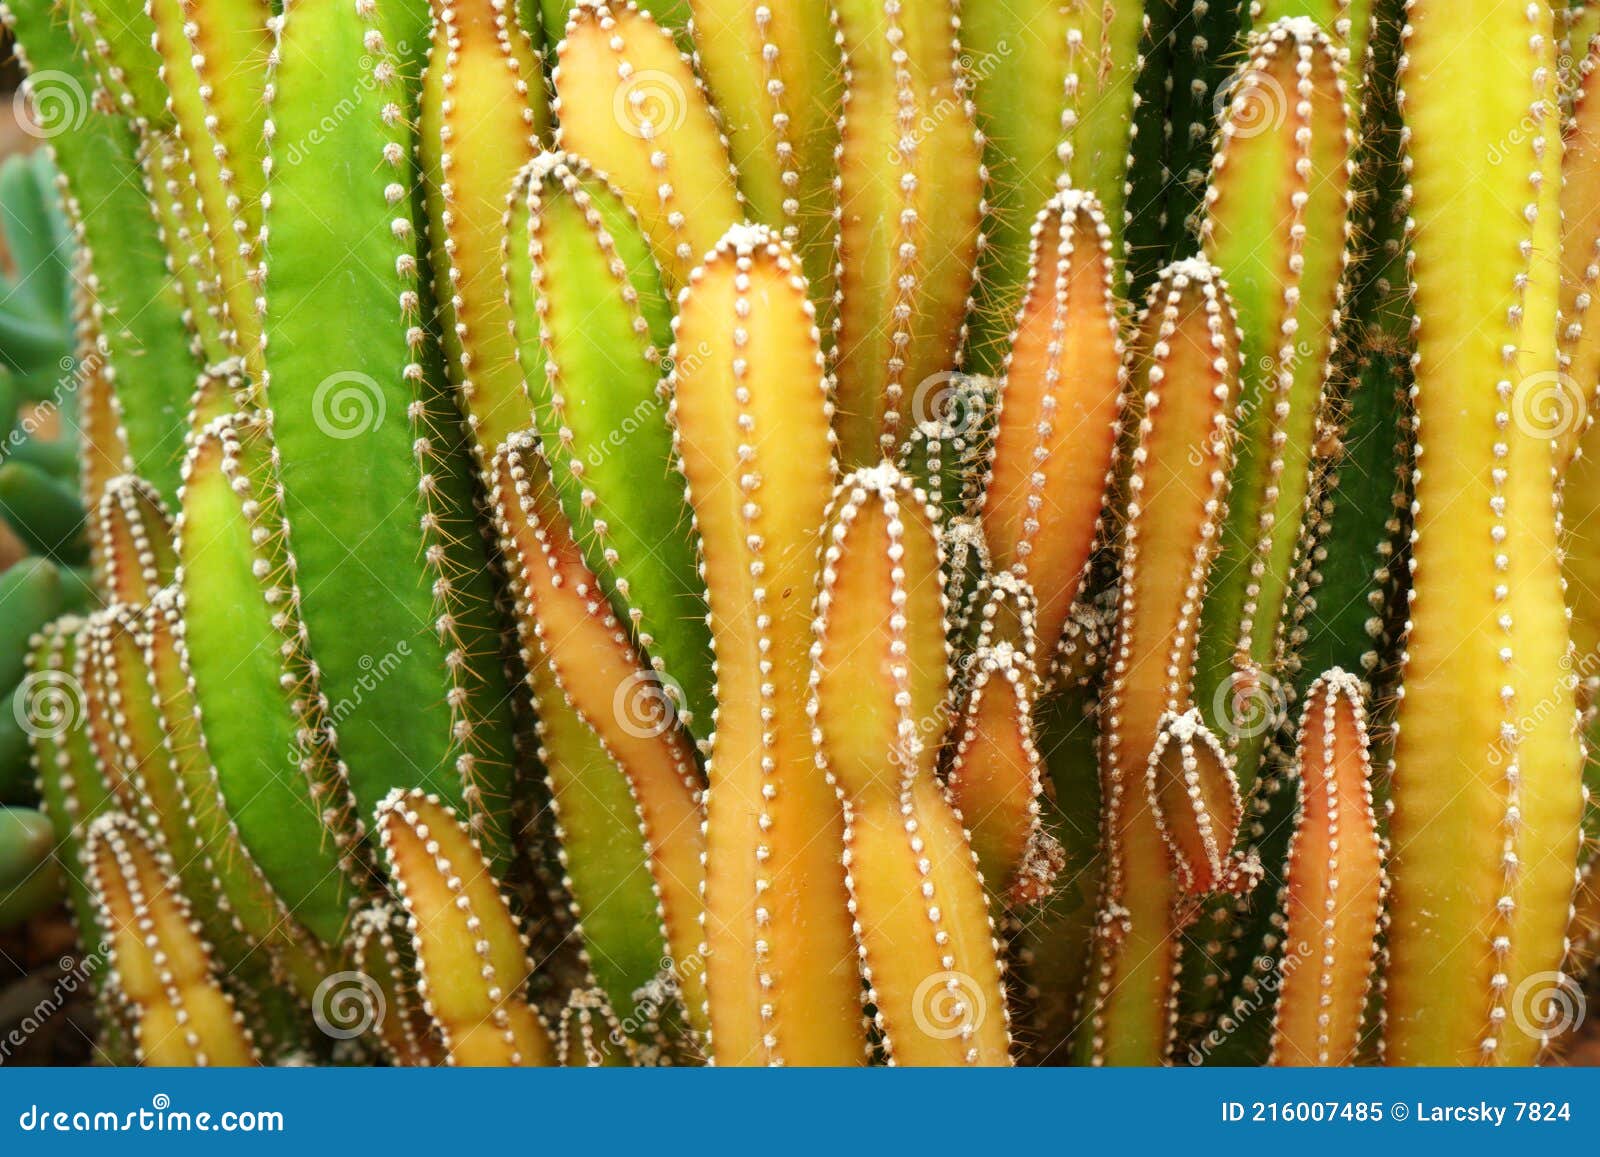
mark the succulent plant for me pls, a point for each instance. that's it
(879, 532)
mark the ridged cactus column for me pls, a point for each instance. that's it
(1187, 378)
(1487, 797)
(881, 674)
(752, 418)
(910, 195)
(1276, 225)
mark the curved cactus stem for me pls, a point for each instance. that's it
(588, 1035)
(136, 313)
(241, 648)
(880, 677)
(416, 681)
(472, 962)
(629, 102)
(911, 188)
(482, 115)
(773, 73)
(1334, 883)
(753, 437)
(1194, 797)
(381, 952)
(1186, 375)
(1077, 60)
(621, 773)
(1277, 225)
(1487, 795)
(1059, 413)
(163, 974)
(592, 324)
(131, 529)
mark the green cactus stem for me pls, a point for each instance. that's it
(30, 880)
(1487, 796)
(1277, 224)
(1059, 413)
(436, 713)
(773, 73)
(241, 649)
(880, 677)
(591, 325)
(752, 420)
(1077, 60)
(1187, 368)
(629, 102)
(911, 188)
(472, 962)
(1334, 883)
(165, 980)
(621, 772)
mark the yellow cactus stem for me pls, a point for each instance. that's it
(472, 961)
(911, 186)
(132, 541)
(1334, 889)
(165, 980)
(1059, 413)
(390, 1004)
(482, 114)
(752, 428)
(1194, 797)
(995, 778)
(773, 73)
(1186, 374)
(881, 678)
(103, 452)
(1564, 405)
(629, 102)
(1278, 226)
(582, 662)
(1487, 793)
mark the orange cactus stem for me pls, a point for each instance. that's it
(752, 428)
(1334, 883)
(881, 678)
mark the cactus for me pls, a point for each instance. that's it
(774, 892)
(1334, 883)
(910, 200)
(438, 634)
(1486, 727)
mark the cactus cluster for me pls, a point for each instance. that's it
(826, 533)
